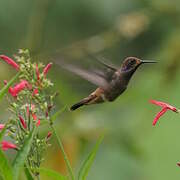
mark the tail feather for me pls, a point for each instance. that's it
(77, 105)
(84, 101)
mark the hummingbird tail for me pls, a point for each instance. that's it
(93, 98)
(77, 105)
(84, 101)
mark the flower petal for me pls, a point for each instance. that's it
(35, 91)
(34, 116)
(38, 122)
(17, 88)
(2, 126)
(159, 115)
(23, 122)
(5, 145)
(10, 61)
(163, 105)
(46, 69)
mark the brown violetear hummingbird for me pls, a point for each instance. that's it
(110, 84)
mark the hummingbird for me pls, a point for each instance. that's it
(110, 84)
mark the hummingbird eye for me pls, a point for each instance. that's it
(132, 62)
(129, 64)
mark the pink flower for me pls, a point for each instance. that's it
(5, 82)
(46, 69)
(5, 145)
(38, 122)
(2, 126)
(34, 116)
(17, 88)
(10, 61)
(35, 91)
(37, 72)
(165, 107)
(23, 122)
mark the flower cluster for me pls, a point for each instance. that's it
(165, 108)
(30, 104)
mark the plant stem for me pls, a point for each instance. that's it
(68, 165)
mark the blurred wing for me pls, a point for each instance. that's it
(102, 61)
(90, 76)
(109, 70)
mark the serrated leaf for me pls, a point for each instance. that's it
(52, 174)
(5, 168)
(4, 90)
(89, 160)
(20, 158)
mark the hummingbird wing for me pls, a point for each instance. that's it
(102, 61)
(94, 78)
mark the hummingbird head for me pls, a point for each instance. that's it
(130, 64)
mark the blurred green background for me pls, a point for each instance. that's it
(132, 148)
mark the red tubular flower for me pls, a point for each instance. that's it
(48, 135)
(38, 122)
(165, 107)
(10, 61)
(34, 116)
(5, 82)
(17, 88)
(5, 145)
(23, 122)
(46, 69)
(2, 126)
(37, 72)
(35, 91)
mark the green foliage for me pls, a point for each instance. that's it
(4, 90)
(28, 173)
(52, 174)
(68, 165)
(21, 156)
(5, 168)
(84, 170)
(58, 113)
(2, 132)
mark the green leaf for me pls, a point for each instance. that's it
(89, 160)
(54, 116)
(5, 168)
(28, 173)
(52, 174)
(20, 158)
(4, 90)
(2, 132)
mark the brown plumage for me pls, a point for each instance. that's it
(110, 84)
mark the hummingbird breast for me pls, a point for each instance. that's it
(116, 87)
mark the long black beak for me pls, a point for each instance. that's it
(147, 61)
